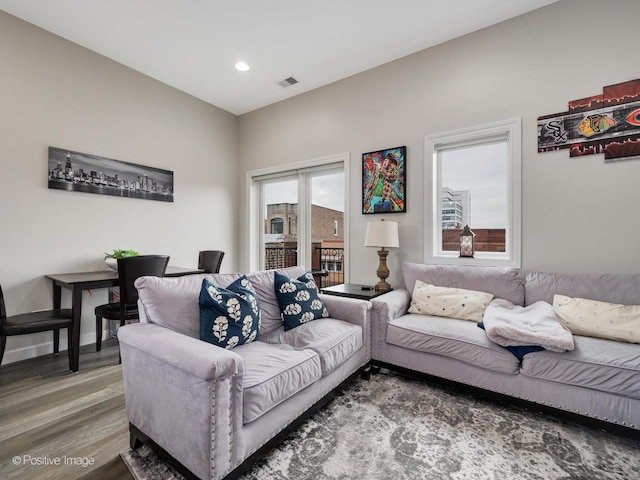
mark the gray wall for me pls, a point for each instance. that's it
(53, 92)
(578, 214)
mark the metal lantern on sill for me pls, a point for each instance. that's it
(466, 242)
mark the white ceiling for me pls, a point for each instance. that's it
(193, 45)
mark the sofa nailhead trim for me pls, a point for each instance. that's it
(230, 418)
(213, 428)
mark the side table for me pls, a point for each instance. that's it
(352, 290)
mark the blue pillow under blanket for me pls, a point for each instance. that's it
(519, 351)
(229, 316)
(298, 300)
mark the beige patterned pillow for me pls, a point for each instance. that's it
(449, 302)
(591, 318)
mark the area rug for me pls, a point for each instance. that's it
(400, 428)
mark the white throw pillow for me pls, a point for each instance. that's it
(449, 302)
(591, 318)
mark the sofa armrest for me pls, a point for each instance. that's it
(392, 304)
(385, 308)
(348, 309)
(353, 311)
(189, 354)
(185, 395)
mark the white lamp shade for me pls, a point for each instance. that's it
(382, 234)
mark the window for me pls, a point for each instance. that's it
(277, 225)
(473, 176)
(310, 198)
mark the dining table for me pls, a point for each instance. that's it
(80, 281)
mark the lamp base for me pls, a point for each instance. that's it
(382, 286)
(382, 272)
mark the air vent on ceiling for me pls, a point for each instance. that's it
(287, 82)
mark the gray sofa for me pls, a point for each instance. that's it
(211, 409)
(599, 379)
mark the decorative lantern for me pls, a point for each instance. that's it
(466, 242)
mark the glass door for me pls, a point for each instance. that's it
(280, 218)
(326, 239)
(297, 218)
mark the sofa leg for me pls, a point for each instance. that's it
(134, 442)
(368, 370)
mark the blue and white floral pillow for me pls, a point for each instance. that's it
(229, 316)
(298, 300)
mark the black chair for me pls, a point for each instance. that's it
(129, 269)
(34, 322)
(210, 260)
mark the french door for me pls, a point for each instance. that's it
(300, 220)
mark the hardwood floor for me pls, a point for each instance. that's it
(56, 424)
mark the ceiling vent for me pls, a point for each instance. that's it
(287, 82)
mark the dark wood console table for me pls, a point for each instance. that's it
(77, 282)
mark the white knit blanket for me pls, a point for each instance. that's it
(511, 325)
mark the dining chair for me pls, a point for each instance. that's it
(210, 260)
(34, 322)
(129, 269)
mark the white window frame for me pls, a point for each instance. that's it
(255, 227)
(512, 130)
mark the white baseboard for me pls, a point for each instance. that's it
(45, 348)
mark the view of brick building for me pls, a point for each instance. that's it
(486, 239)
(327, 236)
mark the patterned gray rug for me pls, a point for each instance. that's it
(396, 427)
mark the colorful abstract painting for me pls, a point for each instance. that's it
(384, 181)
(607, 123)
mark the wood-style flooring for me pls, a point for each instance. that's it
(55, 424)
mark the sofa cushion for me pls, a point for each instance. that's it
(452, 338)
(333, 340)
(501, 282)
(449, 302)
(299, 299)
(273, 373)
(264, 285)
(594, 363)
(173, 302)
(229, 316)
(612, 288)
(591, 318)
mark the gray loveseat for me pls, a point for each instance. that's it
(210, 408)
(599, 379)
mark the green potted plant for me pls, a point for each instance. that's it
(111, 259)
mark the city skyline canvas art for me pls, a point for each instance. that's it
(83, 172)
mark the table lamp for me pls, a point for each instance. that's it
(384, 235)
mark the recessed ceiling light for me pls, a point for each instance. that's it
(243, 67)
